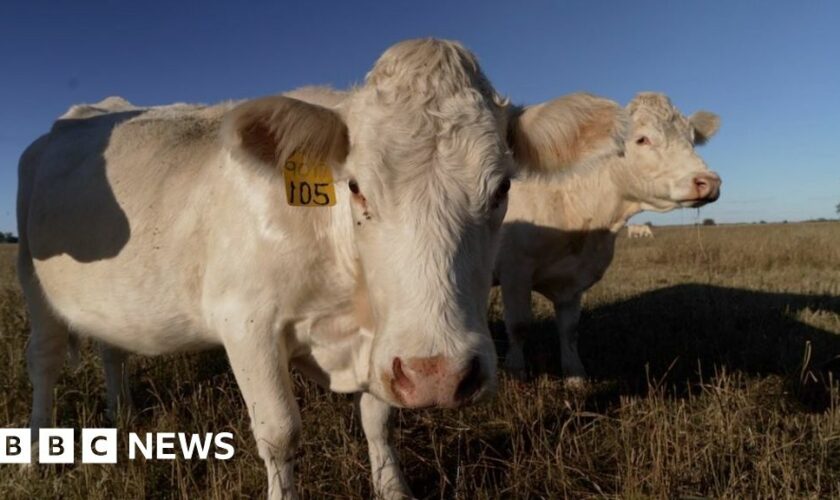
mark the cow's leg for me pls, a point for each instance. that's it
(567, 316)
(388, 481)
(116, 381)
(45, 354)
(516, 297)
(261, 367)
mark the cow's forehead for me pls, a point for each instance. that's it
(429, 83)
(427, 111)
(656, 110)
(427, 70)
(410, 155)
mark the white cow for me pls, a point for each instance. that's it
(156, 230)
(639, 231)
(559, 231)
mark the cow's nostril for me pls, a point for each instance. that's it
(400, 378)
(702, 186)
(471, 383)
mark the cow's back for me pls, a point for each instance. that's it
(111, 207)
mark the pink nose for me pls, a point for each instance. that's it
(707, 186)
(422, 382)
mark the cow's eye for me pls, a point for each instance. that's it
(354, 186)
(643, 141)
(501, 193)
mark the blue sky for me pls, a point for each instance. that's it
(770, 69)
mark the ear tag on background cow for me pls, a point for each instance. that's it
(308, 184)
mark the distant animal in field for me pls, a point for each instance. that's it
(559, 233)
(352, 238)
(639, 231)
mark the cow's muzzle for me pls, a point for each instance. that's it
(437, 381)
(706, 188)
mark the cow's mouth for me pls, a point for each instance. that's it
(697, 202)
(693, 203)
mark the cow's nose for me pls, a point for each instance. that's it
(707, 186)
(436, 381)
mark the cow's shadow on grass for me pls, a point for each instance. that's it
(683, 334)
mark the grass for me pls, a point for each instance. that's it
(714, 352)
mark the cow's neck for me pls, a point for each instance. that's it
(595, 196)
(314, 245)
(620, 171)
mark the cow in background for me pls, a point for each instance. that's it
(560, 229)
(639, 231)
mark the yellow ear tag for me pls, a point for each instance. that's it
(308, 184)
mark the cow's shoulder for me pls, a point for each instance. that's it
(112, 104)
(176, 124)
(116, 122)
(321, 95)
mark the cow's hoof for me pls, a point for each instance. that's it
(391, 495)
(397, 492)
(34, 460)
(27, 469)
(575, 383)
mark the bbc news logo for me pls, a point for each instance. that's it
(99, 446)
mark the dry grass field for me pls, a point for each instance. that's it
(703, 387)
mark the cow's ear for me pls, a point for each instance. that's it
(705, 125)
(271, 129)
(566, 131)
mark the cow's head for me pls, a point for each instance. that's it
(425, 150)
(667, 172)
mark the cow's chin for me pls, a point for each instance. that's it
(681, 199)
(692, 203)
(661, 205)
(668, 205)
(685, 196)
(695, 202)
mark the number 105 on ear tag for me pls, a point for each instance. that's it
(308, 184)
